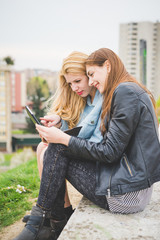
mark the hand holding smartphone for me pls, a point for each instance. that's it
(73, 132)
(34, 119)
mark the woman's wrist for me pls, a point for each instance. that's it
(65, 140)
(59, 120)
(59, 124)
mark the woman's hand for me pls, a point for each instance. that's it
(43, 140)
(53, 135)
(51, 120)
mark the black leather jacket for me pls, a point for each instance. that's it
(128, 158)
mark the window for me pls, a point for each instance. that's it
(2, 133)
(2, 123)
(2, 104)
(2, 94)
(2, 113)
(2, 83)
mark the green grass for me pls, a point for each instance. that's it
(8, 156)
(13, 205)
(7, 159)
(17, 131)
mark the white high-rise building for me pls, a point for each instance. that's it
(139, 49)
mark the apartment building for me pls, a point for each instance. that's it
(139, 49)
(18, 91)
(5, 109)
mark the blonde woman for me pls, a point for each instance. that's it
(74, 104)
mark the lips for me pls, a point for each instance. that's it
(80, 93)
(96, 85)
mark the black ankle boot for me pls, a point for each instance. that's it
(46, 221)
(57, 226)
(26, 218)
(68, 211)
(35, 229)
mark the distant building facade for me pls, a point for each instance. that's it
(5, 108)
(13, 98)
(139, 49)
(18, 91)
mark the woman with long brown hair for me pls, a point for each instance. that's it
(118, 173)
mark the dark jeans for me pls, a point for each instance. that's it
(58, 167)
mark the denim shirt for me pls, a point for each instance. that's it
(90, 120)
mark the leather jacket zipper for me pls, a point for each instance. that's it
(127, 164)
(108, 192)
(109, 188)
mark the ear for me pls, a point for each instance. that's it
(108, 65)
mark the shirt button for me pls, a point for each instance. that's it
(92, 122)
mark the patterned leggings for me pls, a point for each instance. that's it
(58, 167)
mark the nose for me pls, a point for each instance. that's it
(90, 82)
(74, 87)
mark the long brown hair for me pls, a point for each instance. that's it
(117, 75)
(66, 103)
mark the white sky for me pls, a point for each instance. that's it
(40, 33)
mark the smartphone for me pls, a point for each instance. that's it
(31, 115)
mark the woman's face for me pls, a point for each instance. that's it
(78, 84)
(98, 76)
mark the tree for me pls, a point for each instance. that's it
(158, 102)
(8, 60)
(38, 92)
(158, 108)
(34, 84)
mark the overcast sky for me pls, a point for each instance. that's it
(40, 33)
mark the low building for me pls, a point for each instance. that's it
(25, 140)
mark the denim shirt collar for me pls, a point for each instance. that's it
(96, 97)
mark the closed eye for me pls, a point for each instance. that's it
(90, 74)
(77, 81)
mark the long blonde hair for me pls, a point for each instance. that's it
(117, 75)
(66, 103)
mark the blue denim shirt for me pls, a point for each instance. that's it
(90, 120)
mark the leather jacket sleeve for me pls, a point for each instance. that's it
(125, 113)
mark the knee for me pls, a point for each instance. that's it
(40, 148)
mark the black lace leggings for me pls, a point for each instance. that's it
(58, 167)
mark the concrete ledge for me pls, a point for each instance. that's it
(93, 223)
